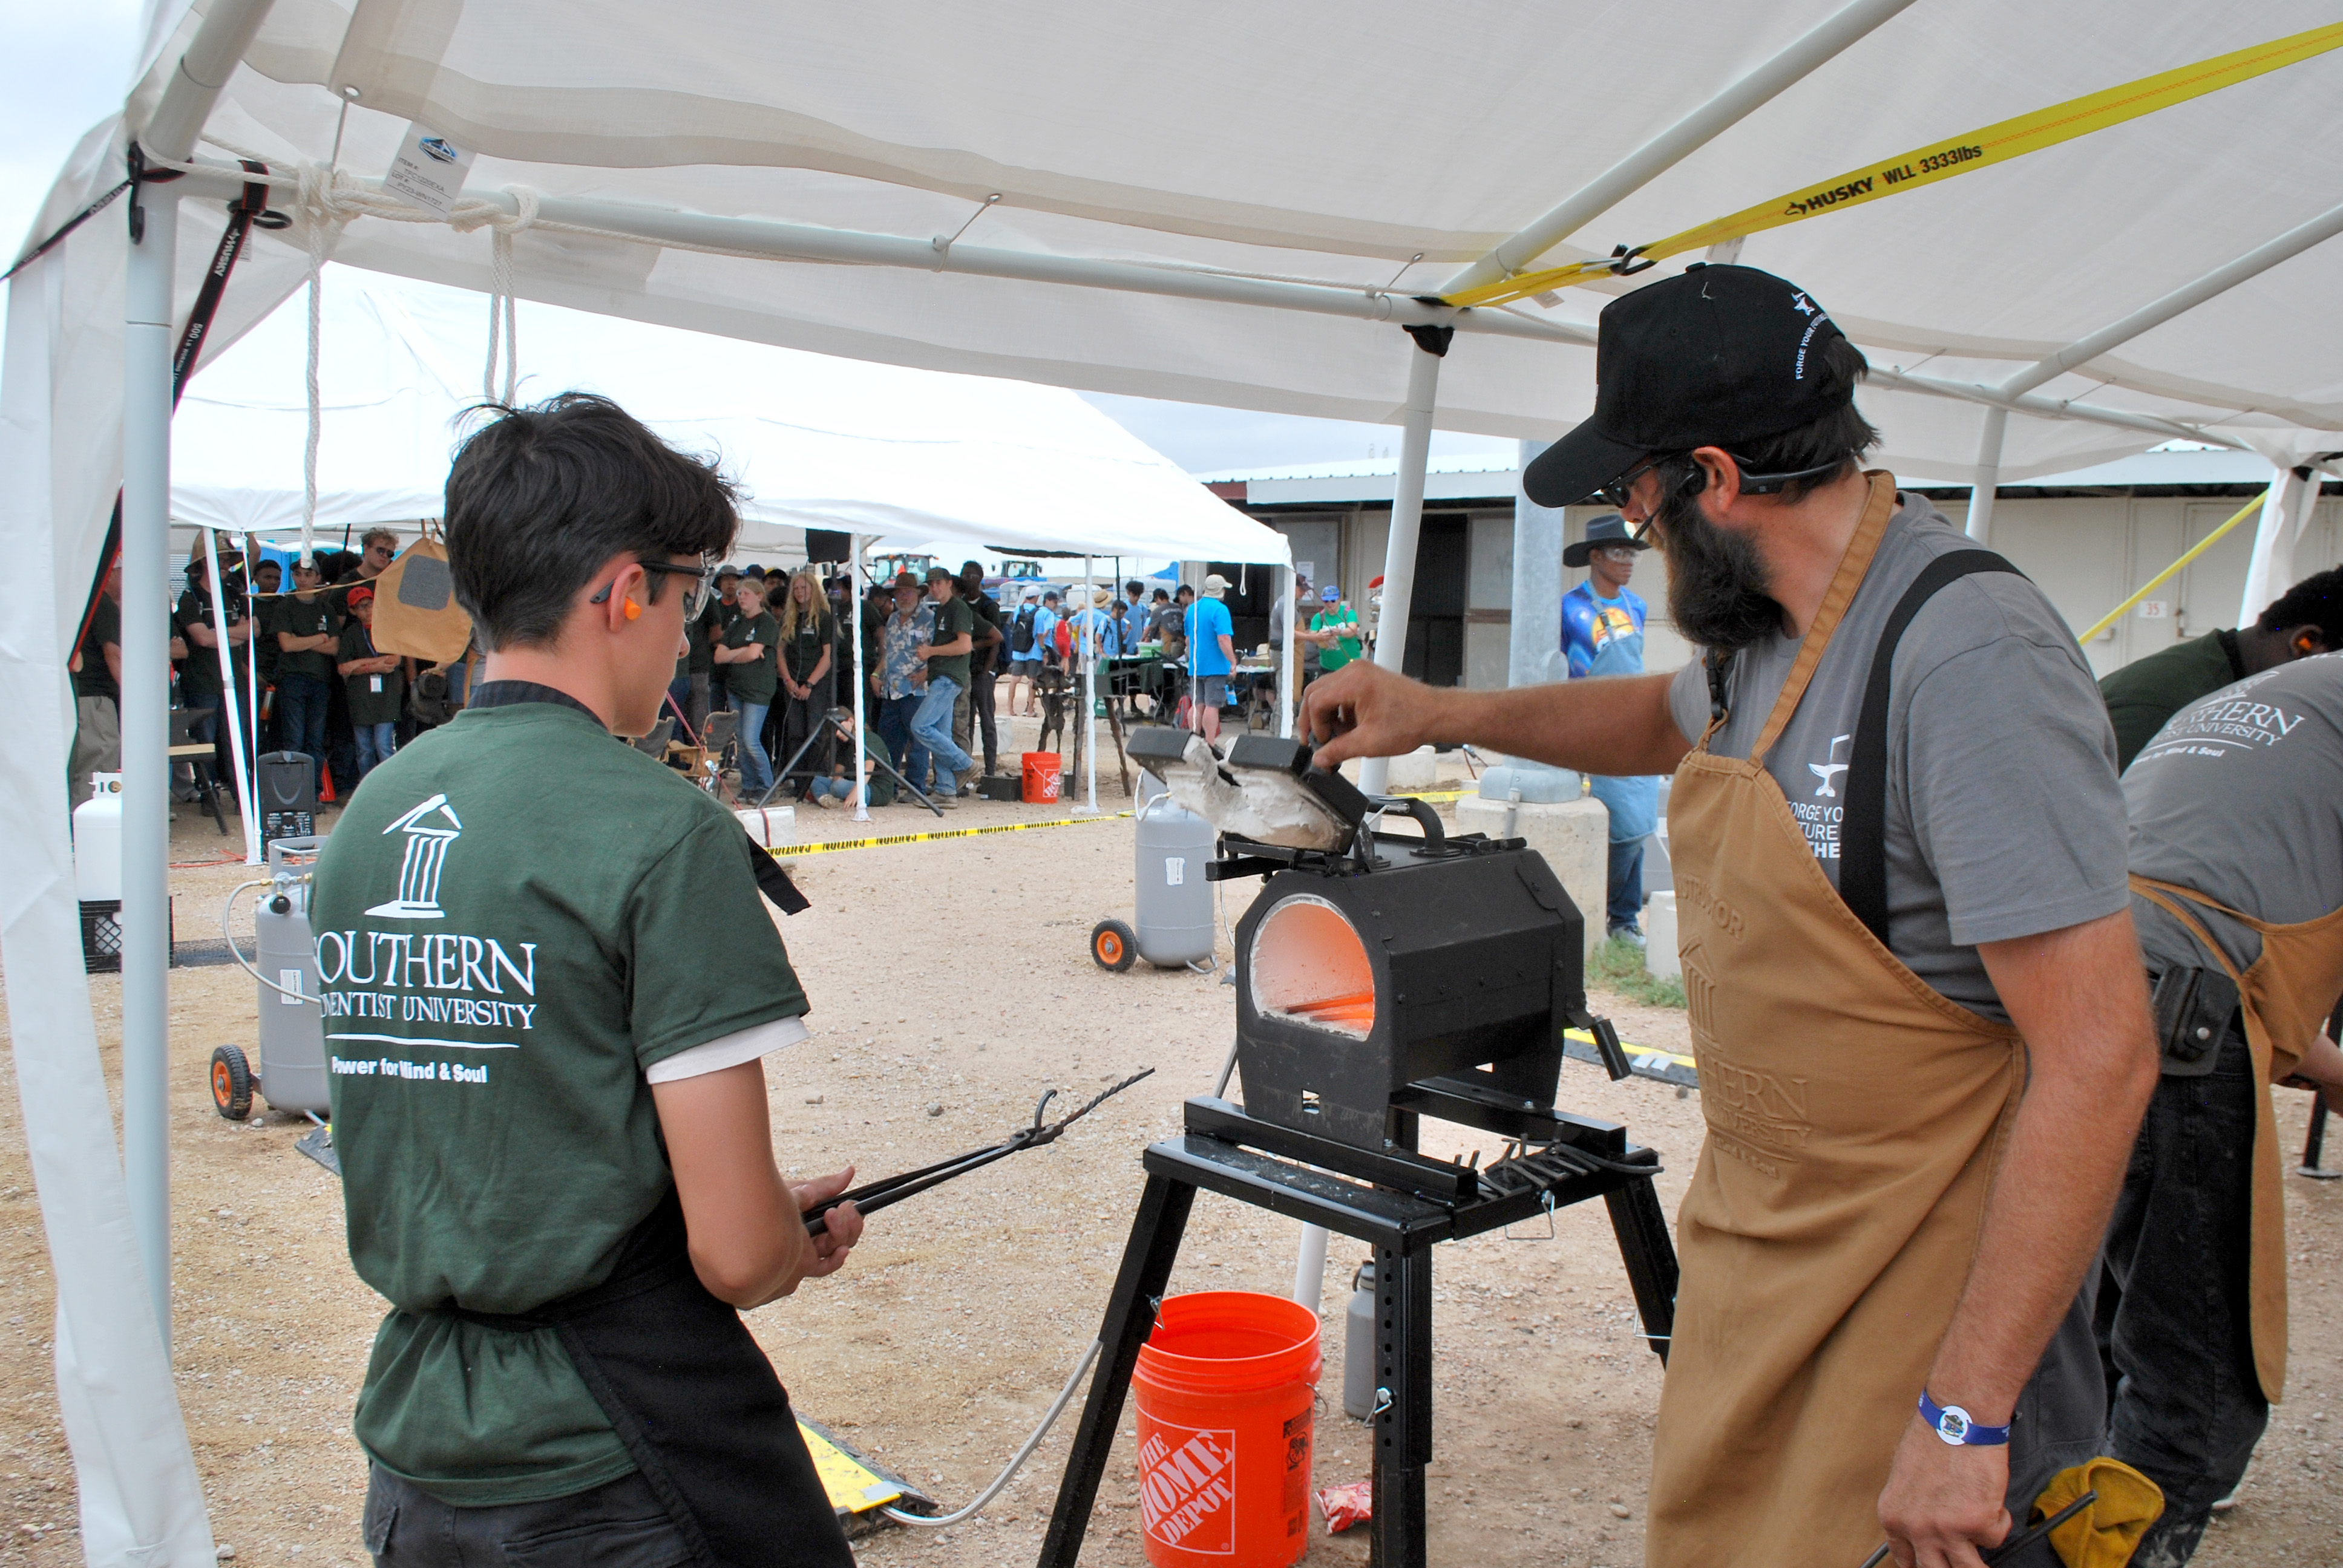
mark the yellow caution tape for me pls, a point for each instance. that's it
(782, 851)
(2168, 573)
(1940, 160)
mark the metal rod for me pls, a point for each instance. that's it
(231, 704)
(2155, 314)
(146, 740)
(1406, 524)
(855, 599)
(1088, 645)
(2048, 407)
(218, 48)
(1704, 124)
(1987, 478)
(1290, 580)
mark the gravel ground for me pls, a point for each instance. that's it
(964, 1311)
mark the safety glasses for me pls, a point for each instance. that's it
(695, 595)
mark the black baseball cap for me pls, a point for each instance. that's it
(1715, 355)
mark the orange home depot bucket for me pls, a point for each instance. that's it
(1042, 778)
(1226, 1388)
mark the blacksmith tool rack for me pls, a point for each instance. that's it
(1381, 978)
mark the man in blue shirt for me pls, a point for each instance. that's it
(1211, 655)
(1602, 634)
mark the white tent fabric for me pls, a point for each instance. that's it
(908, 458)
(1373, 146)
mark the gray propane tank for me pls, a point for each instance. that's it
(1359, 1346)
(1173, 902)
(292, 1033)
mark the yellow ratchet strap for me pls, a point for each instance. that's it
(1941, 160)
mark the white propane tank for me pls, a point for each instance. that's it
(97, 842)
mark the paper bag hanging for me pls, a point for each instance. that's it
(415, 607)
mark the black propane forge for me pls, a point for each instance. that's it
(1381, 978)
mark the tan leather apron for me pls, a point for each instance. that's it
(1855, 1120)
(2285, 996)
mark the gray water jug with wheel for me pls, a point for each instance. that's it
(292, 1033)
(1173, 902)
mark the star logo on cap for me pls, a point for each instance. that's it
(1802, 305)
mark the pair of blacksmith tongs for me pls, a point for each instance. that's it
(895, 1189)
(2024, 1538)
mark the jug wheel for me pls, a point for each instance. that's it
(1113, 946)
(231, 1083)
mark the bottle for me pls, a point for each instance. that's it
(1359, 1346)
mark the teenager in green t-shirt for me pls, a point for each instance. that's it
(549, 1106)
(309, 638)
(374, 681)
(1339, 642)
(749, 657)
(953, 640)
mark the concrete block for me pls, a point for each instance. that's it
(1575, 837)
(1660, 954)
(1419, 769)
(1659, 872)
(774, 827)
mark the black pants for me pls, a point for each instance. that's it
(618, 1524)
(979, 697)
(2185, 1405)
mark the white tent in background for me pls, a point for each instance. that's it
(908, 459)
(1223, 202)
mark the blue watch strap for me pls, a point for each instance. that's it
(1954, 1425)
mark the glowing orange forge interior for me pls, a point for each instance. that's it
(1308, 964)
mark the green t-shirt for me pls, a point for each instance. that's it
(498, 968)
(2146, 692)
(304, 618)
(704, 634)
(200, 676)
(720, 676)
(953, 617)
(374, 699)
(754, 680)
(804, 648)
(1344, 649)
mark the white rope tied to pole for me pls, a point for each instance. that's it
(501, 302)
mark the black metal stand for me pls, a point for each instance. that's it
(830, 722)
(1402, 1204)
(2315, 1144)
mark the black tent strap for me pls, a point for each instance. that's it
(71, 223)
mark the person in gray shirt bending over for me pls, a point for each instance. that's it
(2237, 859)
(1923, 1045)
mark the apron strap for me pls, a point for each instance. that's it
(2168, 896)
(1852, 567)
(1863, 831)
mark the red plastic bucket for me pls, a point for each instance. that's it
(1225, 1389)
(1041, 769)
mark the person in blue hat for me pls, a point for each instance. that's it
(1602, 634)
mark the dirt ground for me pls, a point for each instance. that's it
(965, 1309)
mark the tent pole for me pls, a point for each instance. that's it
(1406, 524)
(146, 739)
(2269, 571)
(252, 608)
(1086, 644)
(1704, 124)
(857, 789)
(1987, 477)
(1285, 676)
(231, 705)
(2048, 407)
(1534, 653)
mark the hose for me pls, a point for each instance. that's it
(938, 1521)
(227, 934)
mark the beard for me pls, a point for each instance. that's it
(1719, 594)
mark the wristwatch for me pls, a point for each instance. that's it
(1954, 1426)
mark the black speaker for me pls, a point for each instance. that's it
(828, 547)
(288, 781)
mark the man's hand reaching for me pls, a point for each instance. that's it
(1365, 710)
(1943, 1504)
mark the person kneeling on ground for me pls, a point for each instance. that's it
(561, 1172)
(880, 788)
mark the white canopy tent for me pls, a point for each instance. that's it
(907, 458)
(1217, 202)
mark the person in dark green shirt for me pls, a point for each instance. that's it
(2308, 619)
(749, 659)
(549, 1106)
(309, 640)
(948, 659)
(375, 683)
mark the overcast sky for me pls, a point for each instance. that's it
(65, 66)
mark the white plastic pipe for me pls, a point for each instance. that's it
(1987, 477)
(231, 704)
(1088, 645)
(1639, 168)
(1533, 654)
(213, 55)
(1406, 524)
(862, 675)
(1285, 676)
(1310, 1268)
(146, 740)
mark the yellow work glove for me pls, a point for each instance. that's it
(2104, 1534)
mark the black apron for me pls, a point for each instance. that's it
(696, 1404)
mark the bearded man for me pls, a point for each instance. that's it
(1923, 1039)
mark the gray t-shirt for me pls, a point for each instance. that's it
(2004, 815)
(2240, 796)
